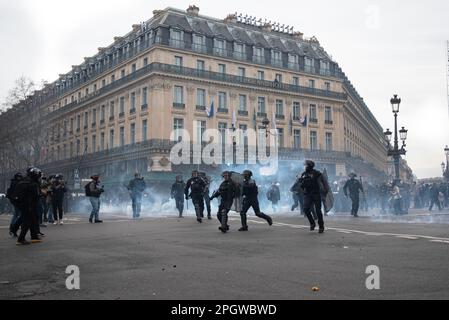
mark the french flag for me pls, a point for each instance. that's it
(210, 111)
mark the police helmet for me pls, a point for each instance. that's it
(226, 173)
(247, 173)
(18, 175)
(309, 164)
(34, 172)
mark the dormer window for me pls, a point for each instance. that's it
(239, 51)
(309, 65)
(199, 43)
(276, 58)
(293, 61)
(324, 68)
(259, 55)
(220, 47)
(176, 38)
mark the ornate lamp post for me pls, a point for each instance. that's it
(446, 172)
(394, 151)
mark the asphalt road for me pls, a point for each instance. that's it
(170, 258)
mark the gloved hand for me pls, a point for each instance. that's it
(187, 198)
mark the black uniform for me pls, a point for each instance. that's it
(177, 193)
(313, 184)
(57, 192)
(298, 196)
(207, 199)
(354, 186)
(27, 192)
(274, 195)
(197, 186)
(136, 187)
(227, 191)
(249, 194)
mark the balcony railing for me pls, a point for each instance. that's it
(329, 122)
(222, 110)
(209, 75)
(178, 105)
(261, 114)
(132, 111)
(280, 117)
(200, 108)
(144, 107)
(313, 120)
(243, 113)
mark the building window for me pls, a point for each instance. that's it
(71, 125)
(328, 115)
(133, 101)
(176, 39)
(178, 61)
(324, 68)
(241, 72)
(102, 141)
(242, 103)
(222, 127)
(260, 75)
(102, 113)
(239, 51)
(327, 86)
(295, 81)
(199, 43)
(222, 100)
(243, 136)
(86, 120)
(280, 137)
(259, 55)
(201, 128)
(111, 138)
(313, 114)
(178, 95)
(86, 145)
(201, 97)
(78, 147)
(112, 78)
(94, 117)
(122, 73)
(293, 61)
(71, 149)
(122, 106)
(309, 65)
(200, 65)
(329, 141)
(111, 110)
(133, 68)
(279, 107)
(311, 83)
(297, 139)
(144, 130)
(276, 58)
(122, 136)
(296, 110)
(178, 126)
(278, 78)
(222, 68)
(145, 62)
(220, 47)
(313, 141)
(145, 96)
(132, 132)
(261, 104)
(78, 122)
(94, 143)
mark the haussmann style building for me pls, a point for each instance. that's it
(114, 113)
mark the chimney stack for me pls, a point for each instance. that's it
(298, 35)
(193, 10)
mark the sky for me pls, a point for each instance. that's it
(385, 47)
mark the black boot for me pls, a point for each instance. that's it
(244, 227)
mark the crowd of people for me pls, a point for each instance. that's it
(36, 200)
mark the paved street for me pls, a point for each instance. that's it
(170, 258)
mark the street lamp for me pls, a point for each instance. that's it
(446, 172)
(443, 167)
(395, 151)
(388, 134)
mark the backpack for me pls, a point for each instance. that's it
(87, 189)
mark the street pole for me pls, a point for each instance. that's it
(396, 157)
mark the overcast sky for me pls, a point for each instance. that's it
(384, 46)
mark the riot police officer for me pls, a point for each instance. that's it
(27, 196)
(354, 186)
(298, 195)
(208, 180)
(314, 186)
(249, 194)
(196, 185)
(177, 193)
(136, 188)
(227, 191)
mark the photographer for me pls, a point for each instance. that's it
(93, 192)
